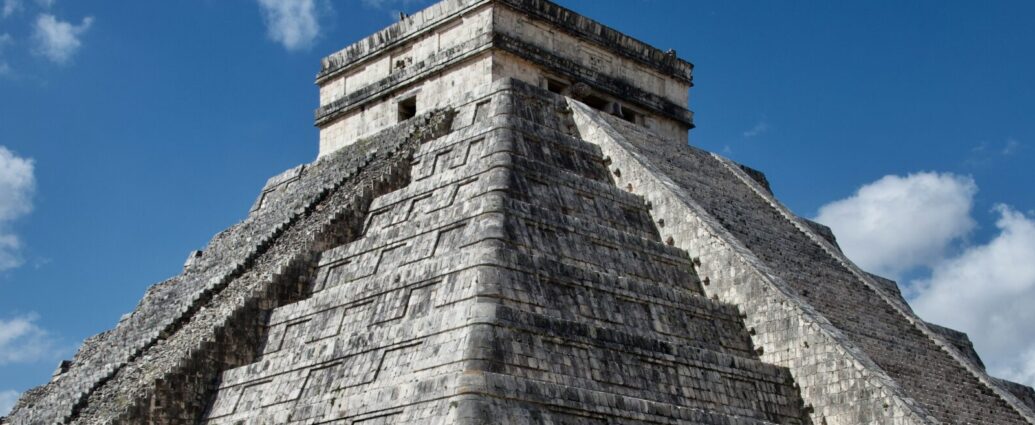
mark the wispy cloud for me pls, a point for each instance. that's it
(760, 128)
(10, 7)
(897, 223)
(23, 341)
(295, 24)
(7, 400)
(58, 40)
(1011, 147)
(17, 184)
(986, 153)
(5, 40)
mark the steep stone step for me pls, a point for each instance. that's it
(493, 244)
(542, 284)
(921, 367)
(526, 346)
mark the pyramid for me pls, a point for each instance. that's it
(506, 225)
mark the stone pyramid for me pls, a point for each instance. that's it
(506, 225)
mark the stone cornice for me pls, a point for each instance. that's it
(606, 37)
(394, 35)
(615, 87)
(564, 19)
(387, 86)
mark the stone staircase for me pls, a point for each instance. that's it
(510, 282)
(942, 385)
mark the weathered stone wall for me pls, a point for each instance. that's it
(434, 92)
(643, 345)
(190, 310)
(547, 35)
(511, 272)
(919, 358)
(397, 34)
(548, 49)
(521, 258)
(961, 341)
(828, 370)
(857, 355)
(381, 338)
(525, 62)
(454, 30)
(413, 29)
(509, 282)
(1023, 393)
(425, 54)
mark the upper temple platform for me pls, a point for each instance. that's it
(431, 58)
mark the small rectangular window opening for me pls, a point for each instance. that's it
(596, 102)
(555, 86)
(407, 108)
(630, 115)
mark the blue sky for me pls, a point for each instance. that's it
(131, 132)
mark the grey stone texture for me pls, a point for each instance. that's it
(500, 38)
(511, 255)
(509, 282)
(855, 349)
(182, 318)
(1023, 392)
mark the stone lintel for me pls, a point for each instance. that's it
(389, 86)
(615, 87)
(666, 63)
(394, 35)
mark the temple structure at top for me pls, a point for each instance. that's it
(429, 59)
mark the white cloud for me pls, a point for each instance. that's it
(5, 39)
(11, 6)
(896, 224)
(985, 154)
(58, 40)
(17, 184)
(1011, 147)
(23, 341)
(761, 127)
(292, 23)
(7, 400)
(988, 291)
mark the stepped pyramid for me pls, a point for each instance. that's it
(506, 225)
